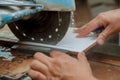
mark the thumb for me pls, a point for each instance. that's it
(81, 56)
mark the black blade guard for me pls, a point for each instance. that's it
(44, 27)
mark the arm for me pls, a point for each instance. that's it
(110, 20)
(60, 66)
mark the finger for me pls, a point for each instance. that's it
(56, 54)
(80, 29)
(38, 66)
(104, 35)
(43, 58)
(36, 75)
(91, 26)
(81, 56)
(83, 59)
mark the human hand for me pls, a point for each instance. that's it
(110, 20)
(60, 66)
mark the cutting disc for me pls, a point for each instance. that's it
(44, 27)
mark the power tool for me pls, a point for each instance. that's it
(42, 21)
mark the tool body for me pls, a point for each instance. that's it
(44, 21)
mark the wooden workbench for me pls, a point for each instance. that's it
(105, 61)
(105, 71)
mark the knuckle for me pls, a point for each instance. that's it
(101, 16)
(52, 53)
(36, 55)
(33, 75)
(104, 17)
(33, 63)
(103, 36)
(36, 75)
(54, 63)
(45, 69)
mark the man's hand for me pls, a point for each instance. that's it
(110, 20)
(60, 66)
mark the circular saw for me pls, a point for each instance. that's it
(47, 27)
(42, 21)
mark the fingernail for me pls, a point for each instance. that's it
(100, 41)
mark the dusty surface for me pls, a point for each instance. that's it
(17, 67)
(105, 67)
(105, 72)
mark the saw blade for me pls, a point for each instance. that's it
(44, 27)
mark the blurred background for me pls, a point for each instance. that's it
(88, 9)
